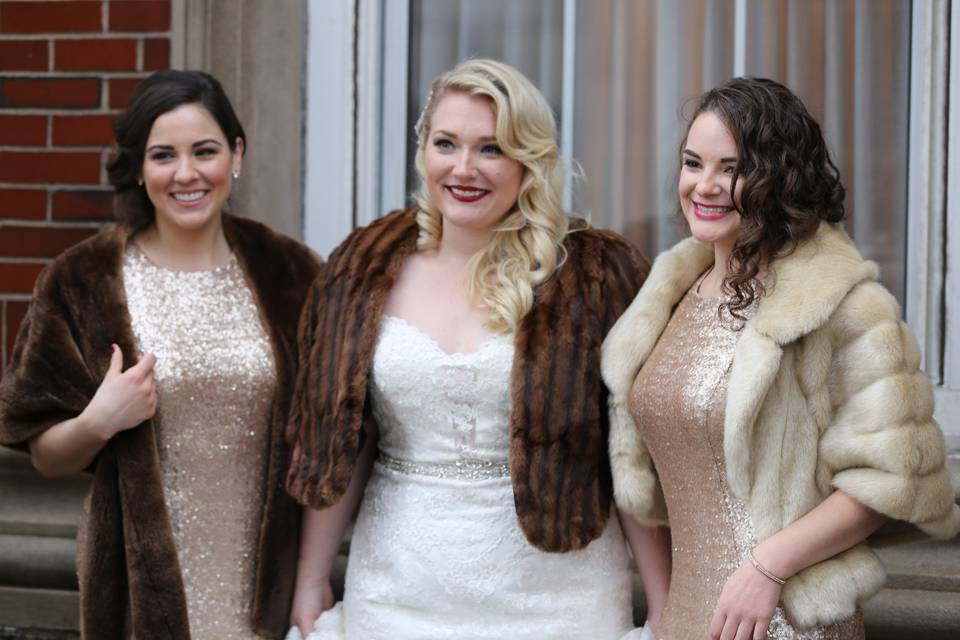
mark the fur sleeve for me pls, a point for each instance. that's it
(47, 380)
(298, 431)
(337, 336)
(883, 446)
(636, 489)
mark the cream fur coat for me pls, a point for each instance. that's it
(825, 393)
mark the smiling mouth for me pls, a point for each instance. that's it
(466, 194)
(711, 212)
(188, 197)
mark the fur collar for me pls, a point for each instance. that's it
(808, 285)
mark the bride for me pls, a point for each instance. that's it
(450, 378)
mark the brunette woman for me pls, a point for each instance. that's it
(796, 419)
(451, 378)
(161, 354)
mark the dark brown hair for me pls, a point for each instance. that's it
(790, 183)
(159, 93)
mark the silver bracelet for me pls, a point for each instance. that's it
(759, 567)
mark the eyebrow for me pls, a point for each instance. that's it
(696, 155)
(450, 134)
(200, 143)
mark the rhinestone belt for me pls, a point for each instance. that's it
(466, 469)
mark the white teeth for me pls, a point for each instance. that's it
(193, 196)
(707, 209)
(466, 192)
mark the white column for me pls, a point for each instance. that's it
(329, 155)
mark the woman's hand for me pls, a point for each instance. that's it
(746, 605)
(308, 603)
(124, 399)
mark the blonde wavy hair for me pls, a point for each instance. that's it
(527, 247)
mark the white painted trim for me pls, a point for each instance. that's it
(568, 93)
(329, 157)
(739, 38)
(381, 108)
(395, 132)
(369, 87)
(947, 414)
(925, 190)
(951, 356)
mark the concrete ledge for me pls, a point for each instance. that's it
(48, 609)
(38, 562)
(15, 633)
(33, 505)
(926, 565)
(900, 614)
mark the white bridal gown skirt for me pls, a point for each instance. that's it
(439, 558)
(437, 551)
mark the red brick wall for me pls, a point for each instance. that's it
(66, 68)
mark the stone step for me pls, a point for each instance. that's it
(31, 505)
(13, 460)
(925, 565)
(908, 614)
(38, 562)
(48, 609)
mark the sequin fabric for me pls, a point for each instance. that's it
(678, 402)
(215, 380)
(441, 554)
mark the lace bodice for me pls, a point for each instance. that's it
(458, 403)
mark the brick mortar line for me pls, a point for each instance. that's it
(87, 148)
(104, 16)
(72, 74)
(16, 297)
(7, 223)
(86, 35)
(3, 331)
(16, 260)
(59, 111)
(57, 186)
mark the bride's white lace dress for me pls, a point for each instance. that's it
(437, 551)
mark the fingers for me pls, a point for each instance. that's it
(730, 627)
(745, 631)
(716, 625)
(116, 361)
(152, 401)
(145, 365)
(760, 630)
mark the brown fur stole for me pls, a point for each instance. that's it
(126, 552)
(559, 423)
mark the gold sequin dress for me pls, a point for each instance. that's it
(215, 378)
(678, 402)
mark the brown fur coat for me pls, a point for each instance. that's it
(558, 424)
(825, 393)
(127, 560)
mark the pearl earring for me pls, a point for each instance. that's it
(236, 175)
(140, 182)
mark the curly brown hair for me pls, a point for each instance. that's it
(790, 182)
